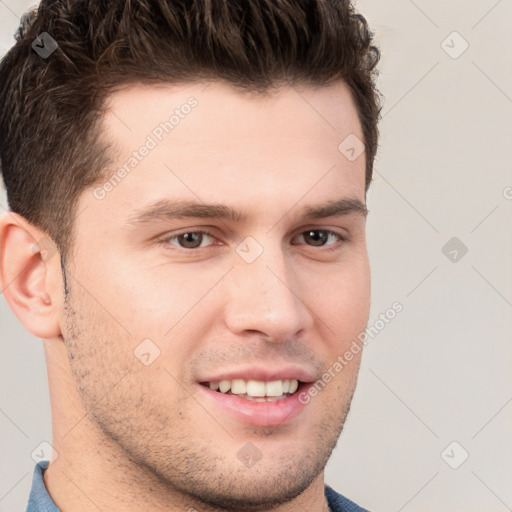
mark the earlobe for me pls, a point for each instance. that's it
(29, 269)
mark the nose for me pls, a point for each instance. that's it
(265, 297)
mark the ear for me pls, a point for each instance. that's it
(30, 275)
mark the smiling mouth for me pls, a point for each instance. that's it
(256, 390)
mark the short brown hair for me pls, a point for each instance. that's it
(50, 108)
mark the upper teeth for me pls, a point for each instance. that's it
(256, 387)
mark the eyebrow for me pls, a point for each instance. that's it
(165, 210)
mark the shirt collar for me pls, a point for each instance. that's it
(39, 499)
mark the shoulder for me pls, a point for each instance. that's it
(338, 503)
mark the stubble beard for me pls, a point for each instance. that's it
(152, 444)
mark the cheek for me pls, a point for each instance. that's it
(98, 349)
(155, 298)
(342, 297)
(112, 369)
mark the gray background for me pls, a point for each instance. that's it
(440, 371)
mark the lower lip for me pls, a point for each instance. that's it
(261, 414)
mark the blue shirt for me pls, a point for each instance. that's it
(40, 501)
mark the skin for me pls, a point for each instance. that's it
(135, 437)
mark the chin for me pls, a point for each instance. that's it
(279, 476)
(254, 491)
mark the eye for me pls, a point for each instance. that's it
(190, 239)
(320, 237)
(199, 239)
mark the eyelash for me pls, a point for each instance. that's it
(167, 239)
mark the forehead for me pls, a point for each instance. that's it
(221, 114)
(211, 143)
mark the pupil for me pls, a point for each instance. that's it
(317, 237)
(191, 240)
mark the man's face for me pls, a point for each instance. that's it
(157, 311)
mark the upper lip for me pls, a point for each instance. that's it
(265, 373)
